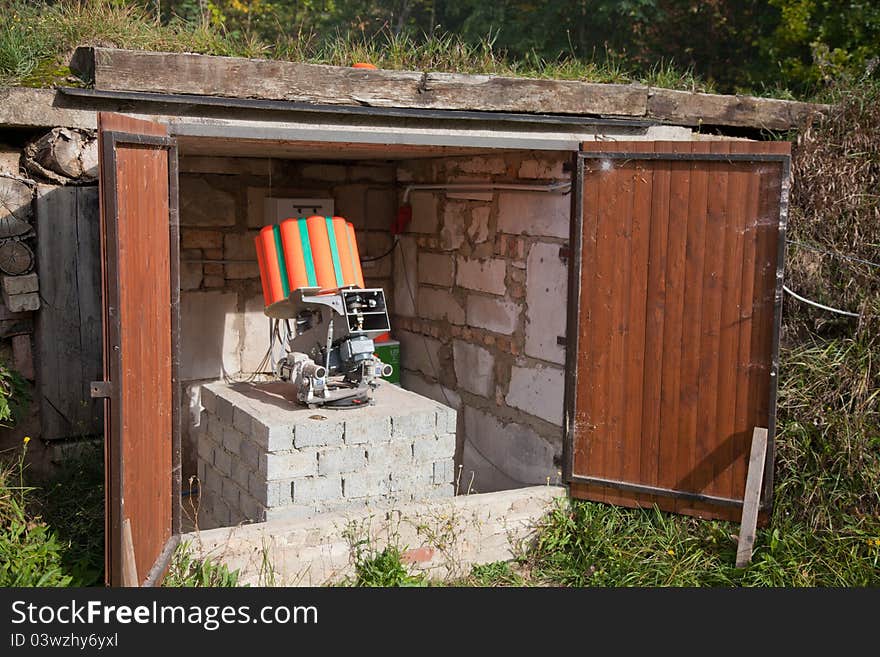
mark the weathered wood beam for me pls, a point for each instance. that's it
(181, 73)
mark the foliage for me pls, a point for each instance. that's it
(186, 571)
(72, 503)
(385, 568)
(30, 551)
(14, 396)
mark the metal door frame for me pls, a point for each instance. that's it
(113, 407)
(574, 312)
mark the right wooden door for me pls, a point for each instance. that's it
(675, 297)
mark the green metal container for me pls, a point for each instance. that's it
(389, 353)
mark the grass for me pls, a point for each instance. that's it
(37, 40)
(187, 571)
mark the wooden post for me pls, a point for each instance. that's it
(752, 497)
(129, 565)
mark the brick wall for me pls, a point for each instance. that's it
(480, 301)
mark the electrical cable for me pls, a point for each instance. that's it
(436, 376)
(819, 305)
(384, 255)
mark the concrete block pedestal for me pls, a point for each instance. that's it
(263, 456)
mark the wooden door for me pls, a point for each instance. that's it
(139, 247)
(675, 288)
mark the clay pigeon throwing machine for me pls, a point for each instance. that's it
(322, 315)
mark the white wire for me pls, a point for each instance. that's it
(819, 305)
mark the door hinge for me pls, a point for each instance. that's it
(101, 389)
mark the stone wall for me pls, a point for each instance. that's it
(480, 298)
(224, 333)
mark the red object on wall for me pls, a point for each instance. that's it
(404, 216)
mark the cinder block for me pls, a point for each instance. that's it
(231, 493)
(211, 481)
(440, 305)
(20, 284)
(447, 419)
(316, 489)
(416, 476)
(337, 460)
(208, 399)
(289, 465)
(241, 420)
(252, 455)
(437, 269)
(474, 368)
(364, 484)
(444, 472)
(496, 314)
(240, 473)
(225, 410)
(432, 449)
(390, 456)
(318, 431)
(367, 430)
(537, 390)
(270, 493)
(546, 296)
(232, 439)
(251, 508)
(481, 275)
(534, 213)
(222, 461)
(413, 424)
(272, 438)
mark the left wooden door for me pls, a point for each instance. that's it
(140, 285)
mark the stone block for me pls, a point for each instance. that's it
(483, 275)
(367, 430)
(297, 463)
(515, 450)
(381, 208)
(546, 299)
(452, 234)
(255, 342)
(206, 201)
(406, 271)
(474, 368)
(240, 246)
(478, 226)
(364, 484)
(431, 448)
(420, 353)
(351, 203)
(337, 460)
(436, 269)
(494, 314)
(319, 430)
(424, 212)
(316, 489)
(200, 239)
(22, 303)
(409, 423)
(20, 284)
(443, 472)
(190, 275)
(534, 213)
(210, 335)
(537, 390)
(420, 385)
(440, 305)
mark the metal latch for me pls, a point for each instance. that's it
(100, 389)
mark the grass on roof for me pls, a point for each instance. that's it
(37, 41)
